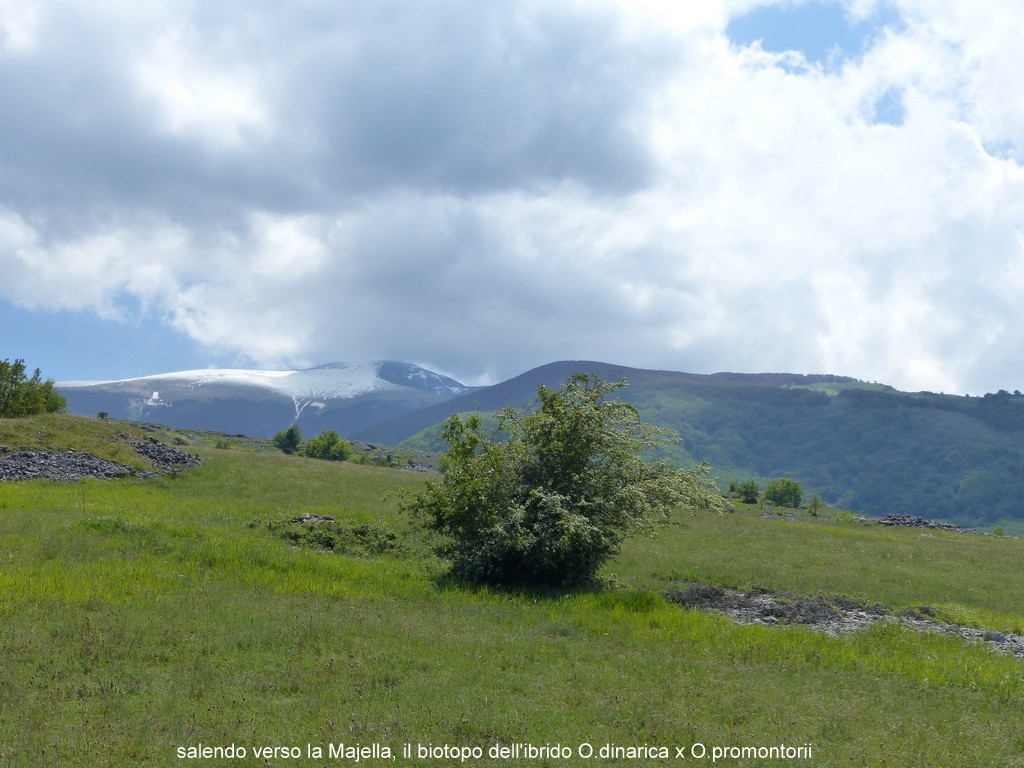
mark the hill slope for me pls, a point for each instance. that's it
(140, 617)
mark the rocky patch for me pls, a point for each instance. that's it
(71, 465)
(910, 521)
(833, 614)
(164, 457)
(385, 456)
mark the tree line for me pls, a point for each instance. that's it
(23, 395)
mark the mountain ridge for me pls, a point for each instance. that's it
(256, 402)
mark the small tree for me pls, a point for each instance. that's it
(784, 492)
(554, 499)
(288, 440)
(816, 506)
(749, 491)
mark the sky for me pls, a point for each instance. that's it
(481, 188)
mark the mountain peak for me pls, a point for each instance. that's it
(242, 400)
(417, 377)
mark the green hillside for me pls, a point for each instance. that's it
(143, 616)
(874, 450)
(861, 446)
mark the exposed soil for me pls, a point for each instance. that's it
(833, 614)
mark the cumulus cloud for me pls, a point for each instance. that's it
(483, 188)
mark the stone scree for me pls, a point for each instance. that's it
(72, 465)
(910, 521)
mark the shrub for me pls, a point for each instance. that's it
(749, 491)
(355, 539)
(550, 497)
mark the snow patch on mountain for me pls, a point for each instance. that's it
(307, 388)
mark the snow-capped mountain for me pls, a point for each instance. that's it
(349, 397)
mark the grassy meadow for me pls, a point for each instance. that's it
(143, 617)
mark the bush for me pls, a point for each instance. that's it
(749, 491)
(550, 496)
(328, 445)
(355, 539)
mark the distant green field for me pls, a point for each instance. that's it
(143, 617)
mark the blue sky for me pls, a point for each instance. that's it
(818, 30)
(482, 188)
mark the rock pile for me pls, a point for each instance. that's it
(164, 457)
(910, 521)
(311, 519)
(833, 614)
(71, 465)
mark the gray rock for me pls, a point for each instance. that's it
(833, 614)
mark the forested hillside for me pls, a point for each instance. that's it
(874, 450)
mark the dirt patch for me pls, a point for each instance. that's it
(833, 614)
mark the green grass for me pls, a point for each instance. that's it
(139, 616)
(978, 577)
(58, 432)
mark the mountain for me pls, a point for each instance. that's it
(346, 397)
(516, 392)
(860, 445)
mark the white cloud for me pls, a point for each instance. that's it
(219, 103)
(88, 271)
(18, 22)
(604, 180)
